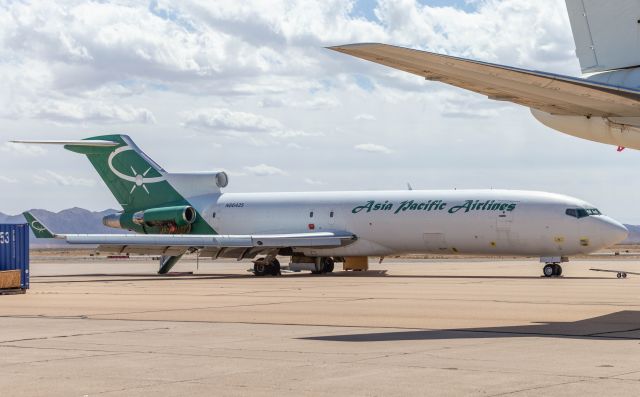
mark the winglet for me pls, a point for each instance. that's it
(39, 229)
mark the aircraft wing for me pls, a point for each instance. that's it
(214, 245)
(237, 246)
(551, 93)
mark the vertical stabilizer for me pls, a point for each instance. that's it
(135, 180)
(606, 33)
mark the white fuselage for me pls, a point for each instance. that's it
(437, 221)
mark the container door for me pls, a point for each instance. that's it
(14, 250)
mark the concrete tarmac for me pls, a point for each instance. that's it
(425, 327)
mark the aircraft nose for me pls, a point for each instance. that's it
(613, 231)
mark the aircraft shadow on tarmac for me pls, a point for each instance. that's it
(622, 325)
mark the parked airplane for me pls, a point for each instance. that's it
(178, 213)
(602, 107)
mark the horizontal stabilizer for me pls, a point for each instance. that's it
(548, 92)
(38, 228)
(89, 143)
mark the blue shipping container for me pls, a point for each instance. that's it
(14, 250)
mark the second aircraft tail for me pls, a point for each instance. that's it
(606, 33)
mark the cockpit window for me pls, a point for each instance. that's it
(582, 212)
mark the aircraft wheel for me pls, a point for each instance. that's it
(274, 267)
(548, 270)
(619, 275)
(624, 275)
(328, 265)
(558, 270)
(260, 268)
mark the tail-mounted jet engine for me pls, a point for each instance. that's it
(177, 219)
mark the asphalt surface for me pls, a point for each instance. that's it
(451, 327)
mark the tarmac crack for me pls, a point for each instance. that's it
(230, 306)
(107, 354)
(80, 334)
(538, 388)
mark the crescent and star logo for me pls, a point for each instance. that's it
(139, 180)
(35, 225)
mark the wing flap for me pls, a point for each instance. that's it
(142, 249)
(239, 246)
(551, 93)
(217, 241)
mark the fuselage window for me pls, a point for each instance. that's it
(571, 212)
(214, 215)
(331, 214)
(311, 214)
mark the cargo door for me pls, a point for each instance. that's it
(434, 242)
(505, 236)
(504, 221)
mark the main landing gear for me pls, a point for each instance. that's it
(265, 266)
(552, 269)
(326, 265)
(552, 266)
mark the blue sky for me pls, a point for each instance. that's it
(364, 8)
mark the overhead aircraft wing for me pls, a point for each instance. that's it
(548, 92)
(215, 245)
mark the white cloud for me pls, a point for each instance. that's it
(372, 148)
(235, 123)
(68, 112)
(320, 103)
(310, 181)
(51, 177)
(264, 170)
(7, 179)
(22, 149)
(293, 134)
(215, 119)
(364, 117)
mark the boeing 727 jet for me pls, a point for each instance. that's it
(177, 213)
(602, 107)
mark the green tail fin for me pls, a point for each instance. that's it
(135, 180)
(38, 228)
